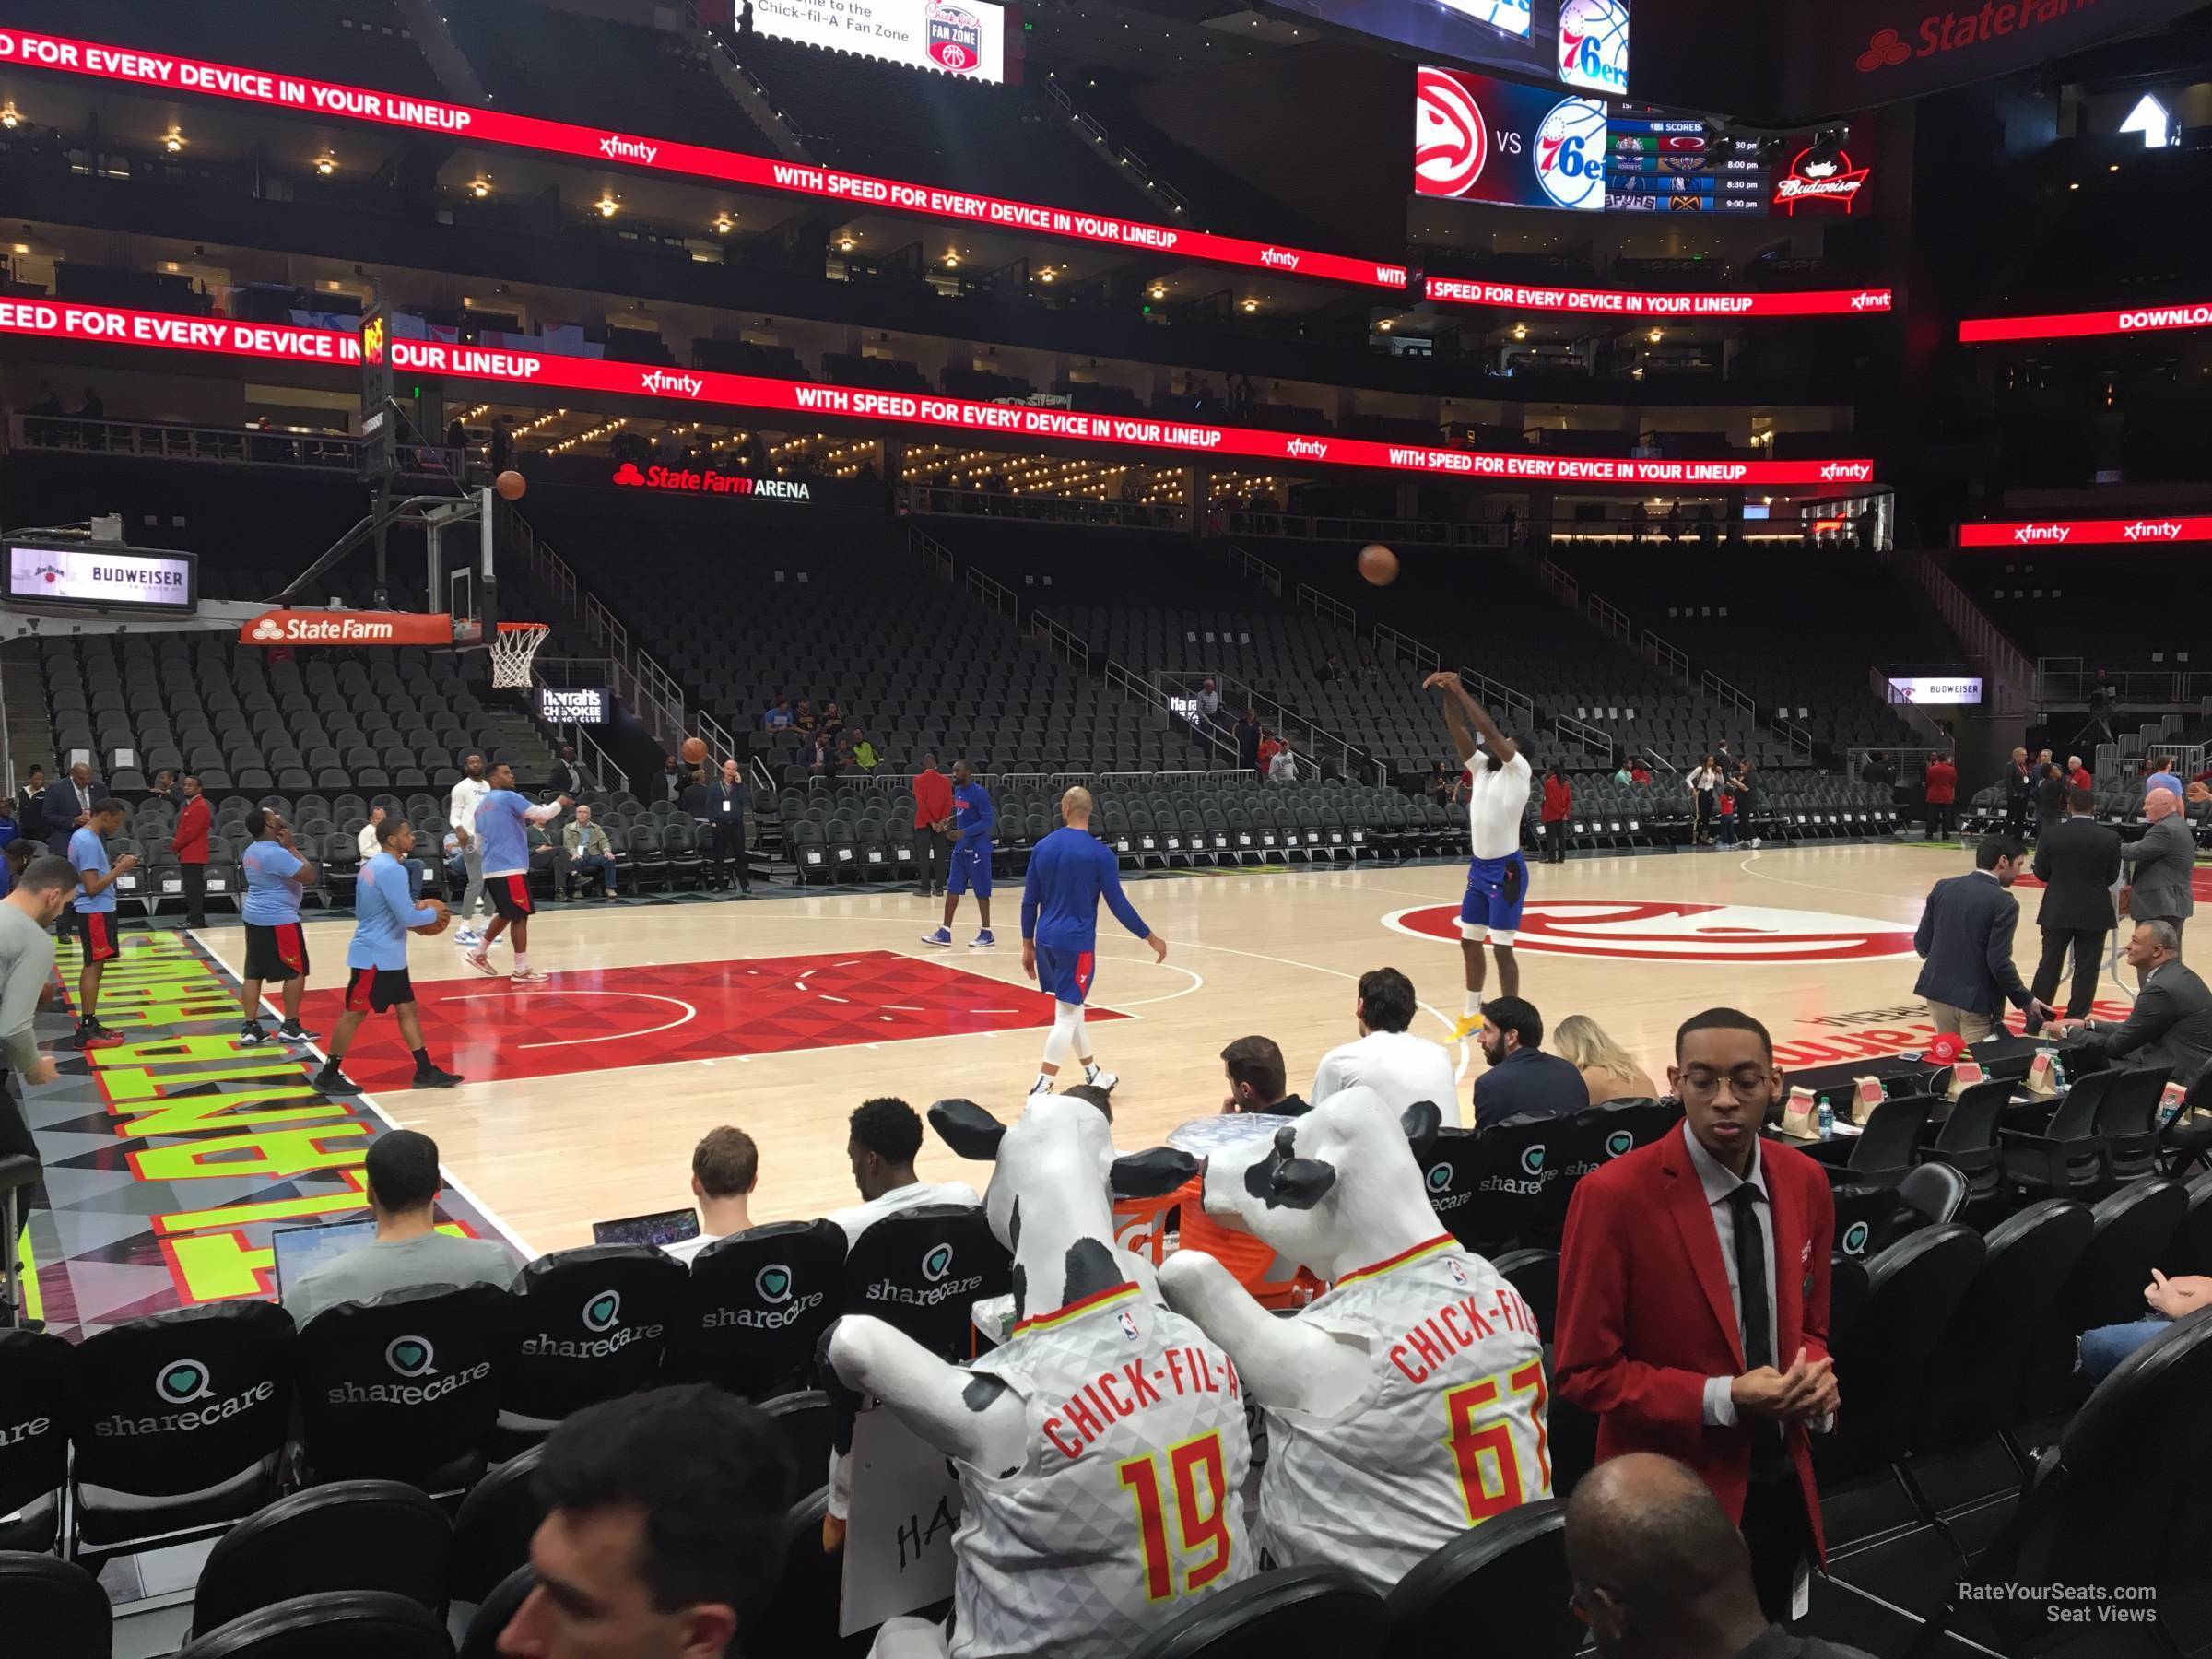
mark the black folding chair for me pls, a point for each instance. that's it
(1507, 1578)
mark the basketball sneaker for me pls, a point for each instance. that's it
(941, 937)
(1468, 1025)
(983, 941)
(1100, 1079)
(479, 961)
(252, 1034)
(435, 1077)
(467, 936)
(330, 1080)
(291, 1030)
(528, 976)
(90, 1036)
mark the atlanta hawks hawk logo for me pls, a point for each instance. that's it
(1649, 931)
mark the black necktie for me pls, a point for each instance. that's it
(1768, 1456)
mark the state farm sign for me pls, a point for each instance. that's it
(346, 628)
(691, 480)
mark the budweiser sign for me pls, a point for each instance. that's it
(346, 628)
(1819, 176)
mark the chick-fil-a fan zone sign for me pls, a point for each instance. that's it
(699, 388)
(330, 100)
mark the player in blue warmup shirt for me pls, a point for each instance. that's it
(95, 906)
(383, 910)
(501, 832)
(974, 818)
(276, 948)
(1070, 871)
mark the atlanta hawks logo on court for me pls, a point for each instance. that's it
(1651, 930)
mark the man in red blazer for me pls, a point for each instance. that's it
(190, 844)
(1693, 1300)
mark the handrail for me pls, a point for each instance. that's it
(721, 746)
(2007, 667)
(1499, 692)
(995, 597)
(1665, 655)
(1409, 647)
(1071, 646)
(1799, 739)
(1557, 582)
(930, 547)
(1179, 686)
(1583, 733)
(1730, 695)
(1134, 687)
(1254, 569)
(1608, 616)
(1327, 605)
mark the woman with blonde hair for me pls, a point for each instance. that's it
(1608, 1071)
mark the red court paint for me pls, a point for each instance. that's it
(604, 1019)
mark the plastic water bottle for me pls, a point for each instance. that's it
(1827, 1121)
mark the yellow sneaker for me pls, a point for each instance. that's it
(1468, 1025)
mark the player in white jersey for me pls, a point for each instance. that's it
(1496, 875)
(1448, 1431)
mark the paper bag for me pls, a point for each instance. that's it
(1965, 1074)
(1801, 1115)
(1865, 1095)
(2041, 1081)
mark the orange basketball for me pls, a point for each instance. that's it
(511, 485)
(1378, 564)
(695, 749)
(432, 928)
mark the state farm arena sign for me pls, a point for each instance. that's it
(758, 395)
(348, 627)
(692, 480)
(2088, 533)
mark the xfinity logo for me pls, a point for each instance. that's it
(1278, 257)
(1848, 470)
(618, 148)
(2164, 530)
(2043, 532)
(1313, 447)
(1878, 301)
(660, 380)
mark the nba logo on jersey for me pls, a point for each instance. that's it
(1593, 45)
(1571, 153)
(1459, 1273)
(1129, 1325)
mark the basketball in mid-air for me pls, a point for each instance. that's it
(695, 750)
(1378, 564)
(511, 485)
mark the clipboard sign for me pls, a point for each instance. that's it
(904, 1511)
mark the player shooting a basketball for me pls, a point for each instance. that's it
(1070, 871)
(501, 831)
(1497, 873)
(384, 914)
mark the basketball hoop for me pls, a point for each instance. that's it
(514, 648)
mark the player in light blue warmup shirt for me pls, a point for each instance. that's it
(95, 906)
(1070, 871)
(503, 839)
(276, 947)
(383, 912)
(974, 818)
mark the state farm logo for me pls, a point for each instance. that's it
(1885, 48)
(1449, 141)
(955, 39)
(1649, 931)
(692, 480)
(1819, 176)
(628, 476)
(1309, 448)
(1279, 258)
(616, 148)
(2164, 530)
(661, 381)
(1847, 471)
(2043, 532)
(267, 630)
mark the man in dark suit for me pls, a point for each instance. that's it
(1659, 1573)
(2160, 862)
(1693, 1300)
(726, 801)
(2019, 792)
(68, 808)
(2077, 860)
(1522, 1078)
(1965, 941)
(2171, 1025)
(569, 776)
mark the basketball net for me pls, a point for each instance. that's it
(514, 648)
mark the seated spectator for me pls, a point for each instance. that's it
(1282, 767)
(2102, 1349)
(456, 862)
(778, 718)
(590, 852)
(803, 716)
(884, 1139)
(1258, 1079)
(664, 1530)
(1388, 1058)
(725, 1167)
(866, 755)
(1624, 775)
(2170, 1024)
(1638, 771)
(1331, 670)
(833, 718)
(547, 855)
(1609, 1073)
(1660, 1574)
(1522, 1078)
(409, 1249)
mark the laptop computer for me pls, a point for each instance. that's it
(301, 1249)
(665, 1227)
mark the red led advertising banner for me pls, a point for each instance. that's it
(1632, 302)
(2073, 326)
(2086, 533)
(698, 388)
(668, 156)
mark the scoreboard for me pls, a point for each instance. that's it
(1675, 164)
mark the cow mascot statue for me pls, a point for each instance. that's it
(1101, 1449)
(1406, 1403)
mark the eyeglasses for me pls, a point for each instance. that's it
(1748, 1082)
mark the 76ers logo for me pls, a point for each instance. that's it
(1571, 153)
(1646, 931)
(1593, 45)
(956, 38)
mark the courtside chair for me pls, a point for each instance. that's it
(1506, 1580)
(1290, 1612)
(2127, 1124)
(755, 1306)
(2128, 1234)
(896, 1270)
(590, 1324)
(1967, 1141)
(506, 1599)
(493, 1531)
(55, 1606)
(334, 1623)
(801, 1618)
(2190, 1248)
(351, 1534)
(2063, 1159)
(34, 1455)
